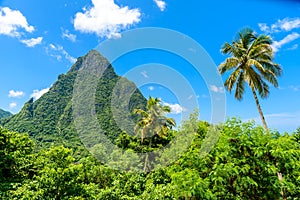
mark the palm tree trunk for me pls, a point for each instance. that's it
(260, 111)
(281, 188)
(146, 163)
(266, 127)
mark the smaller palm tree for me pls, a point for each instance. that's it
(153, 120)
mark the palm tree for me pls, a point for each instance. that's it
(251, 62)
(153, 121)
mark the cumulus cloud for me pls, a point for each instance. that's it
(216, 89)
(15, 94)
(58, 52)
(32, 42)
(66, 34)
(276, 45)
(12, 22)
(264, 27)
(286, 24)
(160, 4)
(282, 25)
(12, 105)
(36, 94)
(106, 19)
(175, 108)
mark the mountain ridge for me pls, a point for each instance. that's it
(49, 119)
(4, 114)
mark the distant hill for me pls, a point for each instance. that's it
(50, 119)
(4, 114)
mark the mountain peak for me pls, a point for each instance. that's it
(50, 118)
(91, 58)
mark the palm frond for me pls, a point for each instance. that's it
(231, 80)
(240, 87)
(229, 64)
(227, 48)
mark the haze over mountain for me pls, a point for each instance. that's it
(4, 114)
(50, 118)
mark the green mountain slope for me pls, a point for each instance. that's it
(4, 114)
(50, 118)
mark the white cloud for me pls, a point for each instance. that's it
(12, 22)
(106, 19)
(282, 25)
(216, 89)
(276, 45)
(151, 88)
(295, 88)
(295, 46)
(58, 52)
(286, 24)
(175, 108)
(285, 121)
(160, 4)
(12, 105)
(32, 42)
(264, 27)
(36, 94)
(52, 46)
(144, 74)
(66, 34)
(15, 94)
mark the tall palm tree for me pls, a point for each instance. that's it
(251, 62)
(153, 121)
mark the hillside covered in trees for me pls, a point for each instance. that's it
(50, 119)
(4, 114)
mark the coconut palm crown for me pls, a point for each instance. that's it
(153, 120)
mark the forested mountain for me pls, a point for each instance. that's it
(4, 114)
(50, 118)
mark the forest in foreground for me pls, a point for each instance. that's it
(244, 164)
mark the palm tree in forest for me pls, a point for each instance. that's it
(251, 62)
(153, 120)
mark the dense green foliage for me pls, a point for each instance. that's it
(4, 114)
(50, 118)
(243, 165)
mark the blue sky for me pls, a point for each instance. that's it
(42, 39)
